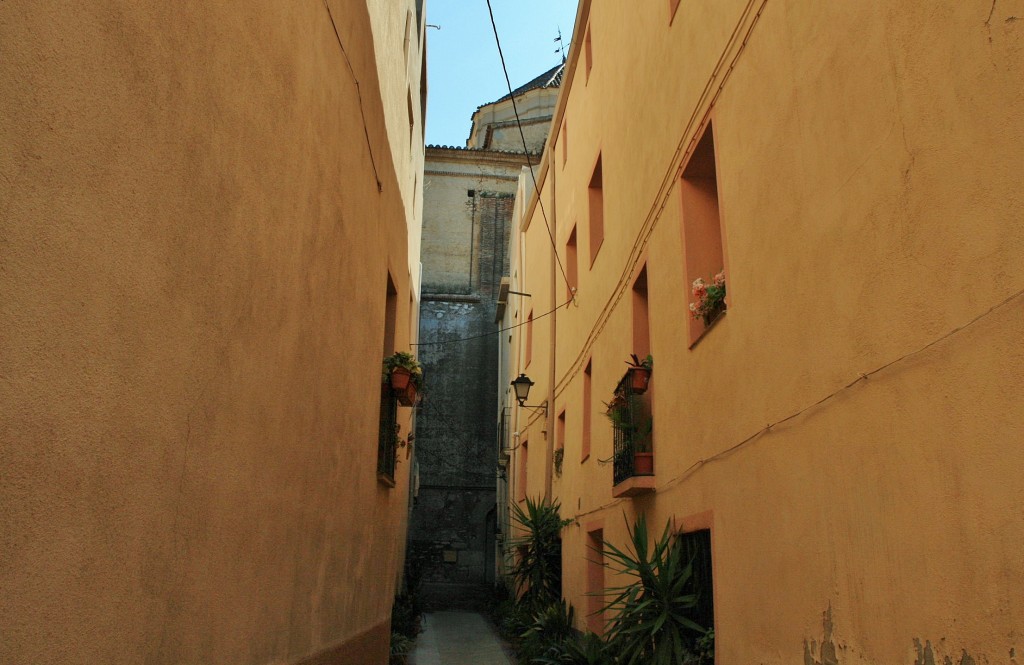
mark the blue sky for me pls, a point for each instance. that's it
(463, 68)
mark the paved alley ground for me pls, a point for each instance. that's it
(457, 638)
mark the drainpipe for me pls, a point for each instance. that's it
(549, 449)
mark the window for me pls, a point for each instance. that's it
(390, 314)
(673, 5)
(570, 264)
(559, 442)
(703, 251)
(387, 433)
(595, 201)
(641, 321)
(564, 140)
(387, 436)
(588, 50)
(412, 122)
(588, 396)
(524, 450)
(529, 339)
(595, 580)
(632, 429)
(697, 548)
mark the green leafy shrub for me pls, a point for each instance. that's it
(580, 649)
(537, 570)
(546, 635)
(651, 620)
(400, 648)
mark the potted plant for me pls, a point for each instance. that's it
(405, 375)
(639, 373)
(709, 299)
(628, 416)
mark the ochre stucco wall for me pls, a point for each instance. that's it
(193, 261)
(868, 174)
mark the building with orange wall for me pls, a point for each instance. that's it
(839, 442)
(209, 239)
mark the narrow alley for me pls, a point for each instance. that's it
(682, 333)
(458, 638)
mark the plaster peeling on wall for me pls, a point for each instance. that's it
(826, 654)
(926, 655)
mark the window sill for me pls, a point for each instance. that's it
(635, 485)
(385, 479)
(708, 328)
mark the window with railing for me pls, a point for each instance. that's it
(387, 436)
(632, 426)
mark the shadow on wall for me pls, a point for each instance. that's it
(826, 653)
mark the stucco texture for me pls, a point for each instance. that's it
(868, 161)
(193, 260)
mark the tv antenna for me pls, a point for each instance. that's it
(561, 45)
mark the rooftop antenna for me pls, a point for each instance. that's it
(561, 45)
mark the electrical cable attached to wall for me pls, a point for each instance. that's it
(863, 376)
(359, 96)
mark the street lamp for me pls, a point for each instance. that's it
(522, 386)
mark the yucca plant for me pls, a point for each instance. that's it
(650, 620)
(585, 649)
(537, 570)
(547, 635)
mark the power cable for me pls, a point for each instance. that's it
(526, 150)
(494, 332)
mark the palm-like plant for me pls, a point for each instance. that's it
(585, 649)
(651, 621)
(537, 570)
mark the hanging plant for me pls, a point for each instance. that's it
(405, 375)
(639, 373)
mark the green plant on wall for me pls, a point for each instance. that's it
(537, 569)
(650, 616)
(405, 360)
(629, 416)
(559, 457)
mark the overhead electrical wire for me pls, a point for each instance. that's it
(495, 332)
(526, 150)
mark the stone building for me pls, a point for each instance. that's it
(468, 195)
(838, 440)
(209, 228)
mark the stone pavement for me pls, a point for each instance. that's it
(457, 638)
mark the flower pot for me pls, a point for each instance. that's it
(643, 464)
(713, 313)
(400, 378)
(407, 397)
(639, 377)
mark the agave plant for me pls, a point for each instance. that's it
(650, 617)
(537, 570)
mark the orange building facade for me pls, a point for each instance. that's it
(841, 435)
(209, 239)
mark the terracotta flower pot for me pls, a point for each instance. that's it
(643, 464)
(400, 378)
(639, 377)
(407, 397)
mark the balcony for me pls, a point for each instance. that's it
(632, 427)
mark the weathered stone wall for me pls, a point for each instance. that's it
(456, 426)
